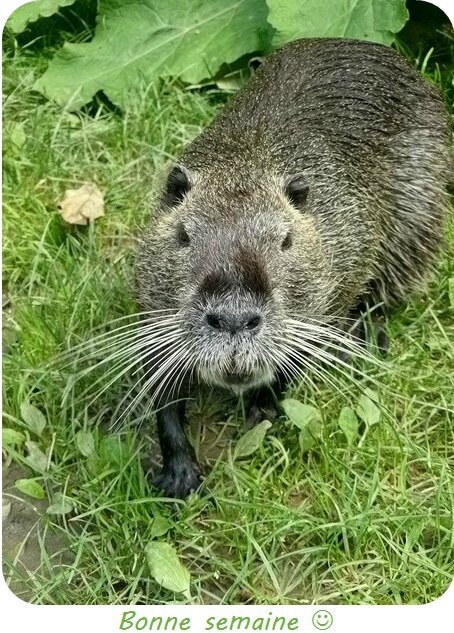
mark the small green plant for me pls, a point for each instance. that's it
(166, 568)
(306, 418)
(250, 441)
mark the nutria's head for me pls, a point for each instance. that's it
(235, 258)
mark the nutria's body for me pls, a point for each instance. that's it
(323, 181)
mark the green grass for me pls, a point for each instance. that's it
(366, 523)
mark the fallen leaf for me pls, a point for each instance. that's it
(85, 443)
(30, 487)
(166, 568)
(33, 418)
(60, 504)
(348, 423)
(81, 205)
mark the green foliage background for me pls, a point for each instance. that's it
(142, 40)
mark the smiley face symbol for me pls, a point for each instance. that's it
(322, 620)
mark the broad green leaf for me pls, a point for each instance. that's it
(159, 526)
(31, 11)
(375, 20)
(348, 423)
(10, 437)
(30, 487)
(60, 505)
(251, 440)
(33, 418)
(85, 443)
(36, 459)
(310, 434)
(366, 409)
(166, 568)
(138, 41)
(298, 413)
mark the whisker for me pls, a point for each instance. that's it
(146, 343)
(130, 330)
(132, 406)
(328, 330)
(159, 344)
(126, 347)
(283, 361)
(149, 382)
(311, 366)
(302, 339)
(134, 315)
(178, 379)
(336, 342)
(176, 373)
(322, 351)
(134, 318)
(321, 318)
(332, 361)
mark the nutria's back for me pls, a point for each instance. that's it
(349, 95)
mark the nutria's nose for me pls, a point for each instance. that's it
(234, 323)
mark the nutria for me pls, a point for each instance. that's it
(322, 182)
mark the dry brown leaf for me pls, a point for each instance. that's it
(81, 205)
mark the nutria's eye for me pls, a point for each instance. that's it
(297, 191)
(286, 244)
(177, 186)
(182, 236)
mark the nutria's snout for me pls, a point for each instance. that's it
(231, 325)
(238, 379)
(235, 329)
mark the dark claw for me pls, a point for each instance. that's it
(263, 405)
(178, 479)
(257, 414)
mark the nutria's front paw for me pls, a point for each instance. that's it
(257, 414)
(179, 478)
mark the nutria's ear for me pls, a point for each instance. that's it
(297, 191)
(177, 185)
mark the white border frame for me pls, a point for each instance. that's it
(20, 616)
